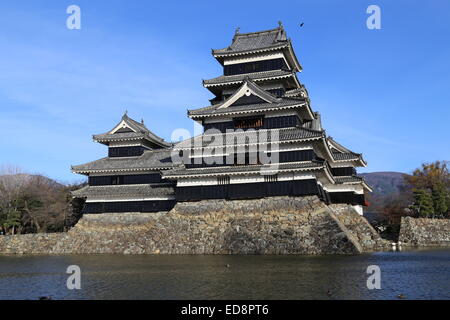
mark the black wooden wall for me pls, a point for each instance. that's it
(283, 157)
(125, 179)
(248, 190)
(126, 151)
(345, 171)
(347, 197)
(257, 66)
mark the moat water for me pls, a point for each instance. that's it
(418, 274)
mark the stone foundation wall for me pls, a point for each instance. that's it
(359, 227)
(425, 232)
(279, 225)
(42, 243)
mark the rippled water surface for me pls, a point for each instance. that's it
(422, 274)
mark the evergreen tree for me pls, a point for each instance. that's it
(440, 198)
(423, 203)
(12, 220)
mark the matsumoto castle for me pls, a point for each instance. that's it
(261, 139)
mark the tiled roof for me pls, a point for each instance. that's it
(151, 159)
(345, 156)
(299, 92)
(243, 42)
(255, 76)
(140, 132)
(253, 136)
(139, 190)
(348, 179)
(353, 180)
(249, 169)
(341, 153)
(283, 103)
(119, 136)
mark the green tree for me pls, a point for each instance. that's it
(423, 203)
(11, 220)
(440, 198)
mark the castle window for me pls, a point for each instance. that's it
(248, 123)
(116, 180)
(223, 180)
(271, 178)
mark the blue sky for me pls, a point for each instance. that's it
(384, 93)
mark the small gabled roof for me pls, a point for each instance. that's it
(255, 42)
(248, 88)
(128, 129)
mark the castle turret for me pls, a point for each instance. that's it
(129, 178)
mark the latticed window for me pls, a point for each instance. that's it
(271, 178)
(223, 180)
(248, 123)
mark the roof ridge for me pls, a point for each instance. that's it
(245, 34)
(228, 50)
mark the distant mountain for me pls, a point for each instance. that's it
(385, 183)
(386, 186)
(25, 177)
